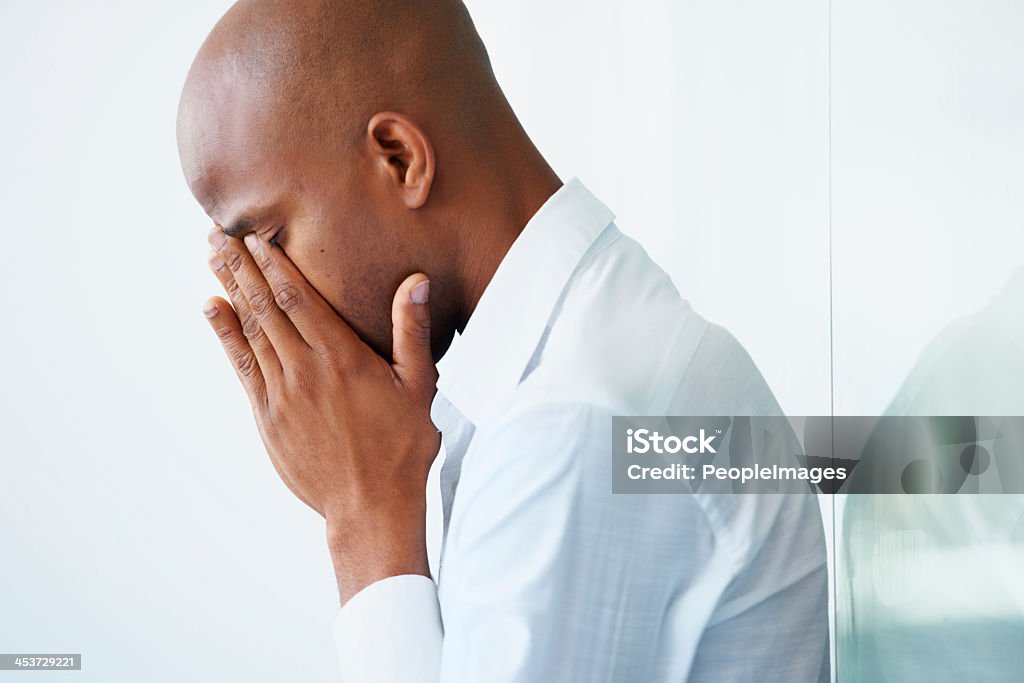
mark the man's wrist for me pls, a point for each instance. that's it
(364, 553)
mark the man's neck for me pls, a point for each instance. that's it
(507, 205)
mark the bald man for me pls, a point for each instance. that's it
(373, 195)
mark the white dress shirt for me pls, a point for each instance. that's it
(542, 574)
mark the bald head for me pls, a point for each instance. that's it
(371, 140)
(313, 72)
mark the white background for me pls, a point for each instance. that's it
(141, 523)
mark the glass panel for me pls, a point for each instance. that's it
(927, 142)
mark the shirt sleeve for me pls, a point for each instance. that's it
(390, 632)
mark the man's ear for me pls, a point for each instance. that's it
(404, 155)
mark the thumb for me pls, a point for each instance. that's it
(413, 361)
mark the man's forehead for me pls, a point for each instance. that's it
(239, 167)
(221, 137)
(234, 193)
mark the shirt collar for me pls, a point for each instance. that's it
(487, 360)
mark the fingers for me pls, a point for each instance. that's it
(225, 323)
(410, 315)
(229, 330)
(262, 349)
(311, 315)
(260, 298)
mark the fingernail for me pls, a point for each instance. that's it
(216, 262)
(420, 293)
(210, 310)
(217, 239)
(252, 242)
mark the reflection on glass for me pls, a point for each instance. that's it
(931, 587)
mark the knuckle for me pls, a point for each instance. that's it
(281, 411)
(260, 302)
(274, 412)
(263, 259)
(350, 367)
(231, 287)
(251, 327)
(226, 334)
(246, 364)
(331, 357)
(420, 334)
(234, 260)
(302, 383)
(289, 298)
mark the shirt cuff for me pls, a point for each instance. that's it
(390, 632)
